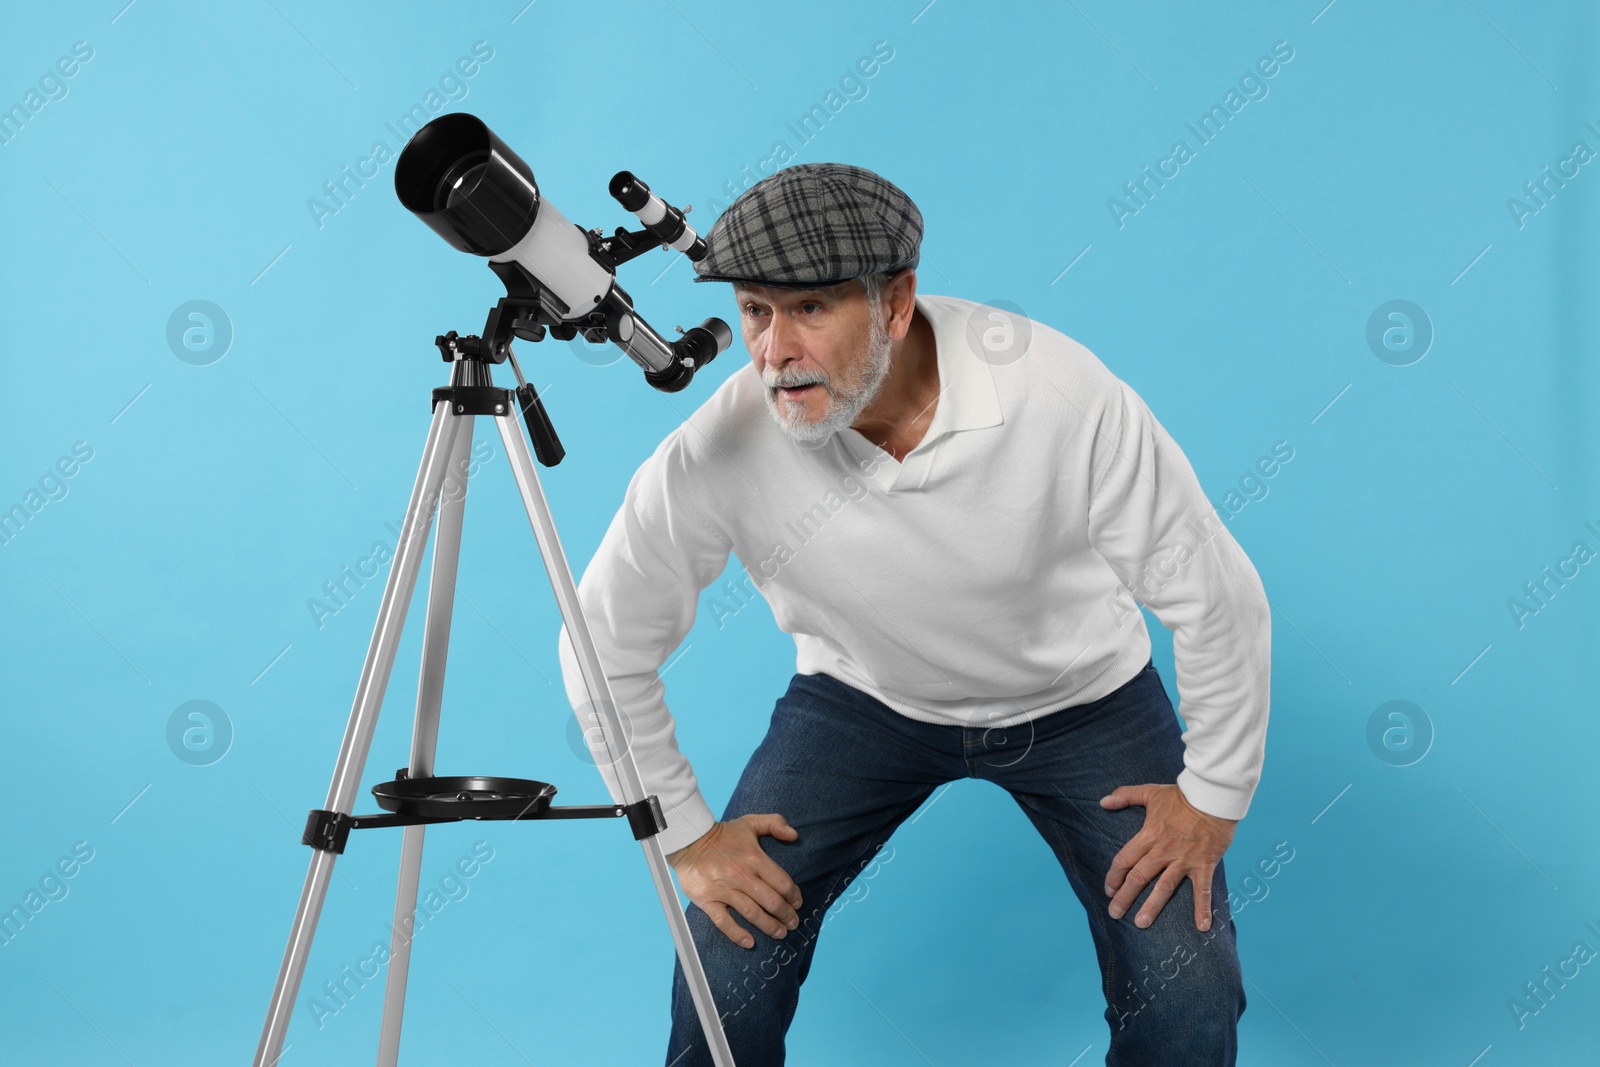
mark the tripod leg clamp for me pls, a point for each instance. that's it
(645, 818)
(327, 831)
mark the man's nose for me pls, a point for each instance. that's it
(783, 341)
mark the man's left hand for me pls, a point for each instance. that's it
(1177, 841)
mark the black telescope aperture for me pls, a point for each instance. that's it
(459, 178)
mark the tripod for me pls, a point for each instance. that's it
(416, 797)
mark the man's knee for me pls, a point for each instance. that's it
(755, 990)
(760, 979)
(1188, 982)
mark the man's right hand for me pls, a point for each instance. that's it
(726, 868)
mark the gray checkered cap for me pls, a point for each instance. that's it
(812, 225)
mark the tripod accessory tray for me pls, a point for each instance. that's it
(466, 797)
(412, 801)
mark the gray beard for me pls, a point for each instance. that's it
(845, 402)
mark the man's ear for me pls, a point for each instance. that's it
(899, 303)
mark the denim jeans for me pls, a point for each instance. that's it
(845, 770)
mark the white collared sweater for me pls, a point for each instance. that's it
(989, 578)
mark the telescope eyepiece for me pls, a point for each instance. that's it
(659, 217)
(629, 191)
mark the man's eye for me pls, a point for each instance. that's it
(811, 304)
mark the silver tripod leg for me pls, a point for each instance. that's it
(599, 690)
(363, 721)
(425, 733)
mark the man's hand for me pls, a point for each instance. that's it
(726, 867)
(1177, 841)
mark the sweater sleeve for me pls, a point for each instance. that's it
(639, 595)
(1151, 521)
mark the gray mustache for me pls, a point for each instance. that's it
(775, 382)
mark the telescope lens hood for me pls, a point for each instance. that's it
(459, 178)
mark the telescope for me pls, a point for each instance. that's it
(459, 178)
(480, 196)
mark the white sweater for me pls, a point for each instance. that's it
(983, 581)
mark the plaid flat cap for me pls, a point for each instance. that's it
(812, 225)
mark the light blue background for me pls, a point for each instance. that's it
(178, 566)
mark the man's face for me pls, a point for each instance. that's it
(822, 353)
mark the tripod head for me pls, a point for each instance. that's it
(459, 178)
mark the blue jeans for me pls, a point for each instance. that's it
(845, 769)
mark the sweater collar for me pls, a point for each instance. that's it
(968, 399)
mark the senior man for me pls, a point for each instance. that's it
(953, 510)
